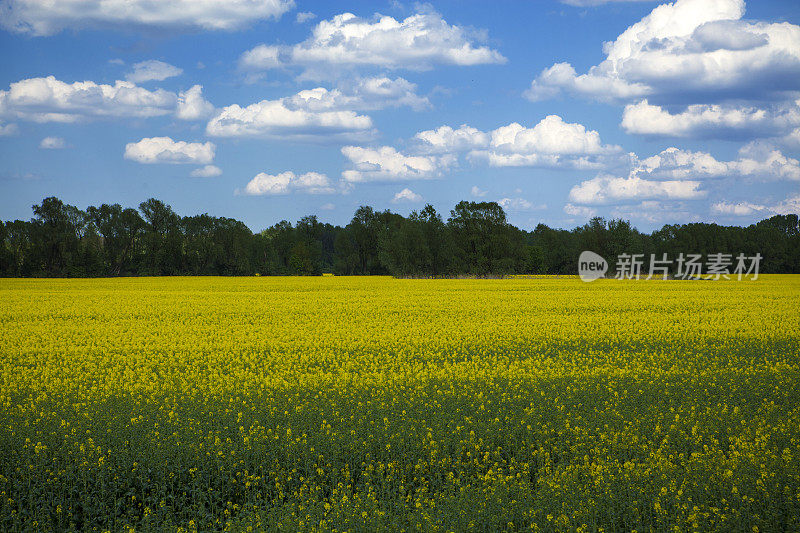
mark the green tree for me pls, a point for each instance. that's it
(485, 242)
(60, 228)
(163, 239)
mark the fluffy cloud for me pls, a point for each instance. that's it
(694, 69)
(361, 94)
(758, 160)
(319, 112)
(286, 182)
(51, 100)
(550, 136)
(656, 188)
(740, 209)
(192, 105)
(208, 171)
(406, 195)
(52, 143)
(416, 43)
(675, 174)
(387, 164)
(563, 76)
(477, 192)
(674, 163)
(304, 16)
(281, 118)
(550, 143)
(790, 205)
(579, 210)
(152, 70)
(165, 150)
(379, 92)
(711, 120)
(689, 49)
(762, 160)
(262, 57)
(446, 139)
(611, 189)
(41, 17)
(518, 204)
(792, 139)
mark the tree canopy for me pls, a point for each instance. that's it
(476, 239)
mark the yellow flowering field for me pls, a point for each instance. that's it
(378, 404)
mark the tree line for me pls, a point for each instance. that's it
(62, 240)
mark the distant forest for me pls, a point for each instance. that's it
(476, 239)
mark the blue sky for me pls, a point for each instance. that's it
(264, 110)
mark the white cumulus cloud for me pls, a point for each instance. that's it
(605, 189)
(281, 118)
(447, 139)
(406, 195)
(152, 70)
(51, 100)
(261, 57)
(286, 182)
(52, 143)
(304, 16)
(321, 113)
(550, 143)
(694, 69)
(791, 139)
(361, 94)
(417, 42)
(477, 192)
(192, 105)
(676, 174)
(208, 171)
(381, 91)
(387, 164)
(787, 206)
(674, 163)
(44, 17)
(763, 160)
(550, 136)
(689, 46)
(519, 204)
(759, 160)
(165, 150)
(712, 120)
(738, 209)
(579, 210)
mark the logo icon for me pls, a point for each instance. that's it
(591, 266)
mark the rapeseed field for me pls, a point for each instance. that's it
(378, 404)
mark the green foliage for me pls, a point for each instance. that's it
(109, 240)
